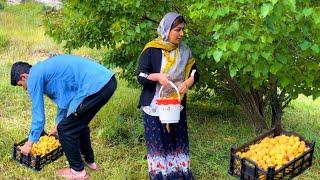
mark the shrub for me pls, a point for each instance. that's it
(1, 5)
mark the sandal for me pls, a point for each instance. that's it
(92, 166)
(68, 174)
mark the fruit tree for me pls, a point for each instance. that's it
(265, 52)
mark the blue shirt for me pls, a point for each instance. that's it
(65, 79)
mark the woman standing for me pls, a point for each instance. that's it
(162, 60)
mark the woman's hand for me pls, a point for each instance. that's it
(26, 148)
(183, 88)
(163, 79)
(160, 77)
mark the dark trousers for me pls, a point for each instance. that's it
(74, 132)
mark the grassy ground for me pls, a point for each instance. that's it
(117, 131)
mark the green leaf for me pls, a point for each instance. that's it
(266, 9)
(217, 55)
(270, 39)
(309, 81)
(216, 36)
(294, 95)
(235, 46)
(274, 2)
(233, 27)
(275, 68)
(263, 68)
(233, 71)
(247, 46)
(256, 84)
(255, 57)
(267, 56)
(222, 46)
(270, 22)
(305, 30)
(316, 17)
(217, 27)
(137, 29)
(307, 11)
(222, 11)
(305, 45)
(284, 81)
(292, 4)
(263, 39)
(256, 73)
(313, 66)
(247, 68)
(137, 4)
(240, 64)
(315, 48)
(281, 58)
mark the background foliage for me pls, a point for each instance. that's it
(264, 52)
(251, 38)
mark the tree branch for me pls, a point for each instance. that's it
(175, 7)
(286, 101)
(145, 17)
(278, 43)
(282, 95)
(287, 98)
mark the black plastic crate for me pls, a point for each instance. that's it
(38, 162)
(246, 169)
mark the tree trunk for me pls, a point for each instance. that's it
(257, 120)
(276, 116)
(251, 103)
(277, 102)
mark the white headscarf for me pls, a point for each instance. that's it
(165, 25)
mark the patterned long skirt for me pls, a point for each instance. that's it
(167, 151)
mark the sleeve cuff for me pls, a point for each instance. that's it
(34, 136)
(143, 75)
(193, 72)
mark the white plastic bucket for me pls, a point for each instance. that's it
(170, 113)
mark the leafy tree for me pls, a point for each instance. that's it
(265, 52)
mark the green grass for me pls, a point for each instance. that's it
(117, 131)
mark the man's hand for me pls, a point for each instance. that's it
(26, 148)
(54, 131)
